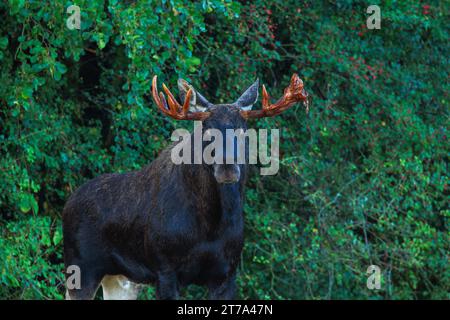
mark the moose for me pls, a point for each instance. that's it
(168, 225)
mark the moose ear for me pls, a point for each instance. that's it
(198, 102)
(249, 97)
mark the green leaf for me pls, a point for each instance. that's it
(193, 61)
(27, 202)
(57, 237)
(24, 204)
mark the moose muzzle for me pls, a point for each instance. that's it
(227, 173)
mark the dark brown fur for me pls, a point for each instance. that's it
(170, 225)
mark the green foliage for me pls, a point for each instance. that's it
(31, 253)
(363, 177)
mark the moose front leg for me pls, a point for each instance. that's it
(225, 290)
(167, 285)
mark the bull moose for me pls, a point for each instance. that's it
(167, 224)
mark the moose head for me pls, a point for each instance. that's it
(222, 117)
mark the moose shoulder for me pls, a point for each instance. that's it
(168, 224)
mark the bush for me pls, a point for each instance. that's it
(31, 251)
(363, 178)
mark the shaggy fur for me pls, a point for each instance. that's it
(168, 225)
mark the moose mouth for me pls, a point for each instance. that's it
(227, 173)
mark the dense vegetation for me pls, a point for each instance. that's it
(364, 175)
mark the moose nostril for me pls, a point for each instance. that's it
(229, 181)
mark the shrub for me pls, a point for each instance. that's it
(363, 177)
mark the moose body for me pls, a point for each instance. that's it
(168, 224)
(134, 225)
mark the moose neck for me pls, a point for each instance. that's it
(231, 204)
(230, 196)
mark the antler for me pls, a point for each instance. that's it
(292, 94)
(175, 110)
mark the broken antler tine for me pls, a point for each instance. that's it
(306, 104)
(297, 84)
(265, 98)
(296, 81)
